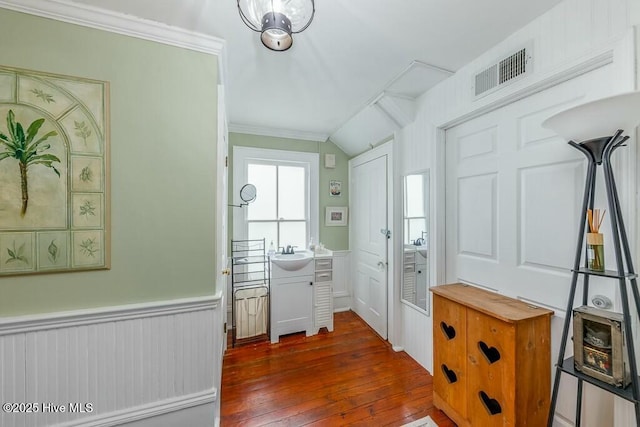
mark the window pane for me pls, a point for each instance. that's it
(294, 234)
(266, 230)
(291, 192)
(407, 238)
(414, 196)
(264, 178)
(416, 227)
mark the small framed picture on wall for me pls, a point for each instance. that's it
(335, 188)
(336, 216)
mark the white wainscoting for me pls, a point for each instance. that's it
(130, 362)
(416, 335)
(341, 282)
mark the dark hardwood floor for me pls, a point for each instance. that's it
(346, 377)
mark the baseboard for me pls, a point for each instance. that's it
(144, 412)
(560, 421)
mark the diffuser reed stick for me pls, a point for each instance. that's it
(595, 219)
(595, 251)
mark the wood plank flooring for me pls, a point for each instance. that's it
(346, 377)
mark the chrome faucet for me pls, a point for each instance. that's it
(288, 250)
(421, 240)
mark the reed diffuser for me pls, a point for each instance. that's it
(595, 241)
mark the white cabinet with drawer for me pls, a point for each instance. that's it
(323, 294)
(291, 301)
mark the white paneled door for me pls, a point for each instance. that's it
(222, 200)
(369, 244)
(513, 195)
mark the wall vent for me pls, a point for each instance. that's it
(487, 80)
(504, 71)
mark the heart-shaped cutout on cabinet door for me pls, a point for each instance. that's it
(449, 374)
(491, 405)
(448, 330)
(490, 353)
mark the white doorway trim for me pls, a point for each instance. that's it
(393, 308)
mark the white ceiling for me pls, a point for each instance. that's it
(352, 51)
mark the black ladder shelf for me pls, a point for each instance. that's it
(598, 152)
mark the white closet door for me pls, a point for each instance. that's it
(513, 195)
(369, 217)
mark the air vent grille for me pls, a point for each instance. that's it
(513, 66)
(503, 72)
(486, 80)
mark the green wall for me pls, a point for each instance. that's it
(163, 165)
(335, 238)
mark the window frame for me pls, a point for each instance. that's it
(243, 156)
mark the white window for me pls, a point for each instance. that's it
(285, 211)
(415, 208)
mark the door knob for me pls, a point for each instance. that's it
(226, 272)
(382, 264)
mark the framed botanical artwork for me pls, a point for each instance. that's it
(336, 216)
(335, 188)
(54, 173)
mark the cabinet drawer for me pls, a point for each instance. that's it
(491, 370)
(409, 257)
(449, 344)
(324, 263)
(323, 276)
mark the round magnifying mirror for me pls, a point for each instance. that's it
(248, 193)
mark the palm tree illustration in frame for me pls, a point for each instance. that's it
(54, 203)
(28, 151)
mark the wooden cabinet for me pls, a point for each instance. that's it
(492, 361)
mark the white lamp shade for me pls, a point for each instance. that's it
(597, 119)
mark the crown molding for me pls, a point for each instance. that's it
(119, 23)
(279, 133)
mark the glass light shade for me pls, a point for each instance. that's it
(597, 119)
(277, 20)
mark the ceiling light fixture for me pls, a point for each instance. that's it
(277, 20)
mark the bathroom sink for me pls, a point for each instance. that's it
(292, 262)
(422, 250)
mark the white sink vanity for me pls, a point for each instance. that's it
(301, 293)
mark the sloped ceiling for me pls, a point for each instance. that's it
(352, 53)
